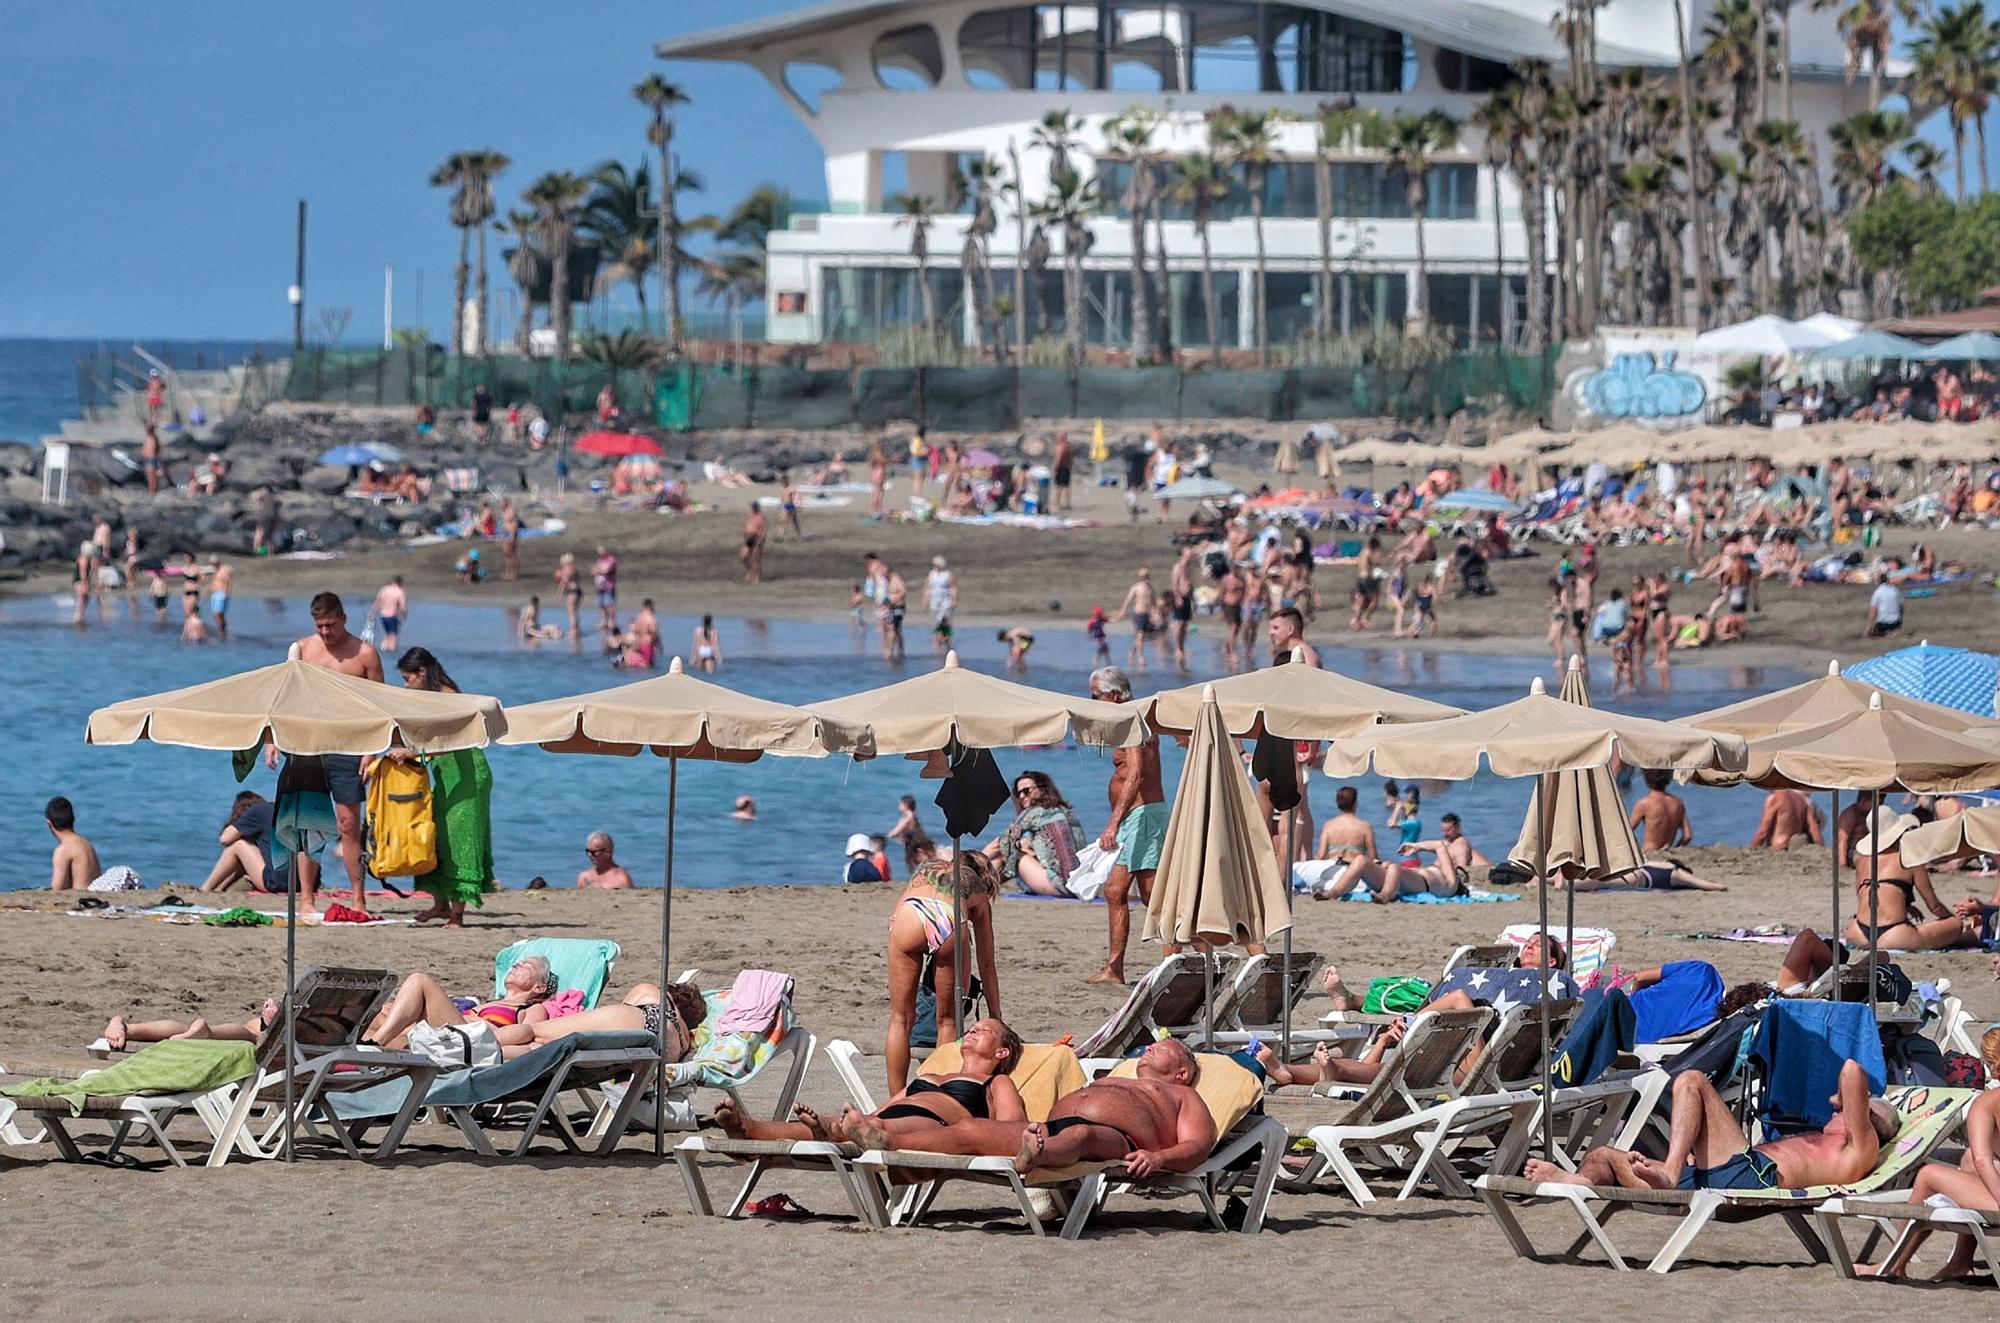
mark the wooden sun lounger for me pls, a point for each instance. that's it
(1929, 1114)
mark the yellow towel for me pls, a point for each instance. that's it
(1046, 1072)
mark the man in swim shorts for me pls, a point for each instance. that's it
(1138, 826)
(330, 645)
(392, 606)
(1709, 1151)
(224, 578)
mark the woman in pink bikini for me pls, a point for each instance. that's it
(921, 936)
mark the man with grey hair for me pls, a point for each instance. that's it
(1138, 826)
(603, 871)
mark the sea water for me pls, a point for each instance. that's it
(159, 808)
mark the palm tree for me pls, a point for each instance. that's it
(1867, 29)
(615, 216)
(1247, 139)
(1201, 182)
(1498, 119)
(1863, 148)
(1926, 160)
(983, 178)
(1532, 78)
(555, 198)
(1411, 142)
(1336, 124)
(479, 169)
(1059, 134)
(1952, 56)
(915, 211)
(1016, 192)
(524, 265)
(1129, 138)
(660, 96)
(1691, 150)
(627, 351)
(1069, 205)
(452, 175)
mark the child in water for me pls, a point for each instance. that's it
(1098, 641)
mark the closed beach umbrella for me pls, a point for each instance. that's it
(1218, 880)
(953, 709)
(1587, 832)
(1536, 736)
(1949, 677)
(1964, 836)
(1293, 701)
(677, 716)
(303, 710)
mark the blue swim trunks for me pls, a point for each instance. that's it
(1141, 836)
(218, 603)
(1748, 1170)
(392, 624)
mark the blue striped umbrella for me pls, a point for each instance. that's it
(1951, 677)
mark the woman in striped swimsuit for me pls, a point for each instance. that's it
(921, 936)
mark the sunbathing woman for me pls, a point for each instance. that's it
(1653, 875)
(420, 998)
(981, 1091)
(118, 1034)
(1973, 1183)
(1886, 892)
(920, 931)
(642, 1008)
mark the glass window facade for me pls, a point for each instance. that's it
(1365, 190)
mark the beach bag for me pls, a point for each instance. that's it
(457, 1046)
(1395, 996)
(402, 819)
(1093, 869)
(118, 877)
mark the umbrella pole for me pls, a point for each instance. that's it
(1874, 896)
(1285, 988)
(1542, 895)
(666, 933)
(1833, 849)
(291, 981)
(958, 979)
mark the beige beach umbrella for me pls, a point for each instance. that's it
(306, 711)
(677, 716)
(1536, 736)
(1962, 836)
(1218, 880)
(1293, 702)
(1587, 832)
(303, 709)
(952, 709)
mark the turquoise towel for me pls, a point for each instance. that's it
(583, 963)
(171, 1067)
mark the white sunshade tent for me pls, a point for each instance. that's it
(1770, 336)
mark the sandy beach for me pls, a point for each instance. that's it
(442, 1234)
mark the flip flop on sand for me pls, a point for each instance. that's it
(781, 1207)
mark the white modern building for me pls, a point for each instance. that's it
(900, 92)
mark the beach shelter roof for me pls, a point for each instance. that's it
(1198, 489)
(954, 705)
(1973, 832)
(677, 715)
(1218, 875)
(1293, 701)
(1529, 737)
(1981, 345)
(1588, 834)
(1836, 328)
(1816, 702)
(1877, 749)
(302, 709)
(1956, 678)
(1768, 336)
(1874, 344)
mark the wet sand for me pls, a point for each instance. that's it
(440, 1233)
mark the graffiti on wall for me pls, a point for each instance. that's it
(1638, 385)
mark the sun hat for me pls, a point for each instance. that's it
(1886, 827)
(859, 843)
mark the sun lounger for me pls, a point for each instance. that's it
(728, 1065)
(583, 963)
(1256, 1002)
(1169, 998)
(1927, 1115)
(1246, 1141)
(536, 1080)
(145, 1092)
(1882, 1215)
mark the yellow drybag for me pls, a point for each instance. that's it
(401, 819)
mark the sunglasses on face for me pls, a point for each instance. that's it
(596, 849)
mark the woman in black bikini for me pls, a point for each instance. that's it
(1883, 883)
(980, 1091)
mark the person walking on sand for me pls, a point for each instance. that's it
(338, 776)
(1137, 829)
(707, 646)
(604, 575)
(878, 479)
(1138, 606)
(1063, 462)
(755, 529)
(788, 506)
(510, 540)
(392, 608)
(462, 791)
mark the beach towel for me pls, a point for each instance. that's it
(1093, 870)
(583, 963)
(483, 1084)
(1587, 949)
(1503, 989)
(1467, 897)
(1802, 1046)
(240, 917)
(1045, 1074)
(724, 1060)
(183, 1066)
(1687, 997)
(1762, 935)
(753, 1002)
(567, 1002)
(1603, 1028)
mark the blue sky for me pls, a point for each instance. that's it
(155, 153)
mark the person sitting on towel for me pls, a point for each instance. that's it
(1708, 1150)
(1154, 1122)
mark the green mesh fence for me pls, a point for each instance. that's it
(689, 397)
